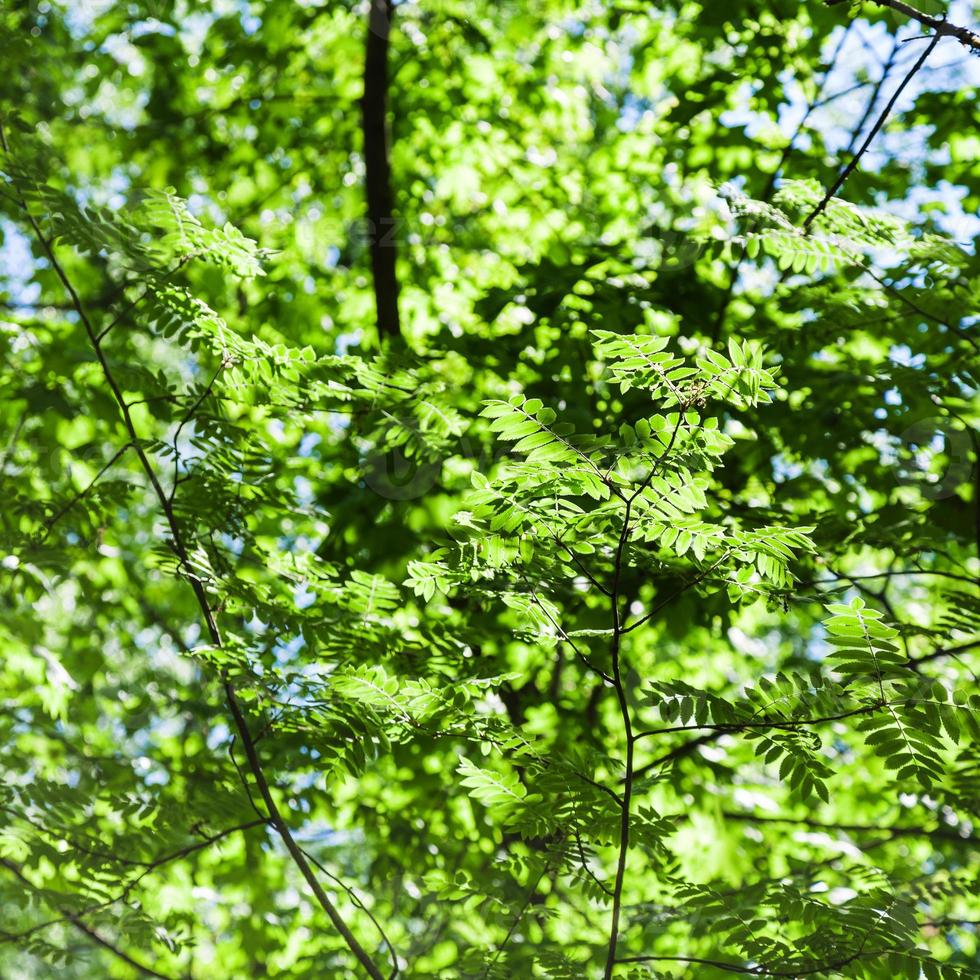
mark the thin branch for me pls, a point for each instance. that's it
(937, 832)
(787, 724)
(719, 964)
(129, 307)
(87, 930)
(674, 595)
(197, 587)
(763, 971)
(12, 444)
(891, 573)
(615, 651)
(149, 868)
(19, 307)
(75, 845)
(802, 970)
(578, 653)
(78, 496)
(899, 294)
(873, 98)
(356, 899)
(943, 652)
(942, 923)
(770, 186)
(282, 827)
(190, 414)
(968, 38)
(611, 793)
(682, 750)
(585, 865)
(875, 129)
(517, 920)
(241, 777)
(856, 87)
(579, 564)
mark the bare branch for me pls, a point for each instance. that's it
(937, 832)
(968, 38)
(875, 129)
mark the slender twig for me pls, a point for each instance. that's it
(941, 923)
(50, 523)
(715, 732)
(938, 832)
(891, 573)
(17, 307)
(358, 901)
(770, 186)
(735, 727)
(762, 971)
(682, 750)
(943, 652)
(540, 522)
(189, 416)
(869, 107)
(899, 294)
(968, 38)
(561, 631)
(617, 676)
(585, 865)
(719, 964)
(517, 920)
(129, 307)
(183, 556)
(801, 970)
(624, 824)
(611, 793)
(61, 835)
(875, 129)
(149, 868)
(75, 920)
(12, 444)
(646, 617)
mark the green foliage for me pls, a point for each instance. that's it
(617, 618)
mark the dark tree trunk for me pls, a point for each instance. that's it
(381, 223)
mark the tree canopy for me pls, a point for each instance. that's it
(491, 490)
